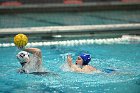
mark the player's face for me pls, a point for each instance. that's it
(79, 61)
(27, 60)
(23, 58)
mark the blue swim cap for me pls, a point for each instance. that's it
(86, 58)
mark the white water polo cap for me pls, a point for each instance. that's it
(23, 56)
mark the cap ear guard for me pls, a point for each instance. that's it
(86, 58)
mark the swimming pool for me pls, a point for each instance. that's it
(123, 57)
(69, 18)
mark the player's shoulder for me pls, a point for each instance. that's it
(88, 67)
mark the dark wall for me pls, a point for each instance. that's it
(41, 1)
(99, 0)
(52, 1)
(7, 0)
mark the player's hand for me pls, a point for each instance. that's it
(21, 48)
(69, 60)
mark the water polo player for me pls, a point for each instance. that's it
(30, 60)
(82, 64)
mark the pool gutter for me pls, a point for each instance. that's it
(73, 30)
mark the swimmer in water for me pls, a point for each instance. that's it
(82, 64)
(30, 60)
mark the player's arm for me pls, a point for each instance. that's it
(35, 51)
(73, 66)
(69, 60)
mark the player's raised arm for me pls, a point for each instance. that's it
(35, 51)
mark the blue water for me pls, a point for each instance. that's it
(124, 58)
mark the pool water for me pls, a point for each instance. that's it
(124, 58)
(69, 18)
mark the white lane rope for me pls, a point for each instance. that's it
(125, 39)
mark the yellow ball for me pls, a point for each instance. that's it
(20, 40)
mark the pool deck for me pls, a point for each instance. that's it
(80, 29)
